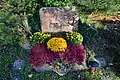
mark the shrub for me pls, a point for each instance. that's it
(9, 33)
(89, 6)
(57, 3)
(74, 38)
(27, 10)
(91, 23)
(38, 37)
(57, 44)
(14, 13)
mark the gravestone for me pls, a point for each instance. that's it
(58, 19)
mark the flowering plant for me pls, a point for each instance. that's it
(75, 53)
(56, 49)
(40, 55)
(57, 44)
(74, 38)
(38, 37)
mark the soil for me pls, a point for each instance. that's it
(104, 42)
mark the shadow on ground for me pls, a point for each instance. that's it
(105, 42)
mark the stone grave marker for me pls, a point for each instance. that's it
(58, 19)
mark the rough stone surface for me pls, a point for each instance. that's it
(58, 19)
(44, 68)
(47, 67)
(79, 67)
(27, 45)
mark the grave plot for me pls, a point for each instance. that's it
(58, 47)
(60, 53)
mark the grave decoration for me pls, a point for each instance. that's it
(93, 63)
(59, 51)
(17, 65)
(61, 67)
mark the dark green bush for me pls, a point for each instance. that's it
(88, 6)
(14, 13)
(57, 3)
(9, 29)
(96, 24)
(27, 10)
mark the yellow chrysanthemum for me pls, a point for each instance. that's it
(57, 44)
(39, 37)
(74, 38)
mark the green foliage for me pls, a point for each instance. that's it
(91, 55)
(110, 75)
(57, 3)
(21, 6)
(16, 16)
(92, 76)
(74, 38)
(9, 53)
(38, 37)
(88, 6)
(27, 10)
(9, 29)
(84, 19)
(100, 74)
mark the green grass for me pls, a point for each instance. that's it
(8, 54)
